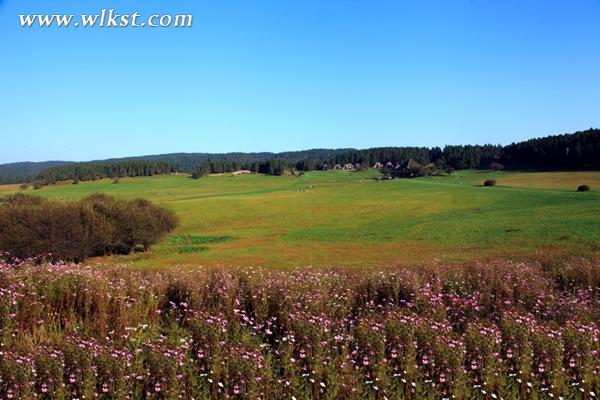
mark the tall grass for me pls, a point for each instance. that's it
(483, 331)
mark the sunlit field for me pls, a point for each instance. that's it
(552, 180)
(346, 219)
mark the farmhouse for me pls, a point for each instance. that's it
(337, 166)
(348, 167)
(411, 165)
(378, 165)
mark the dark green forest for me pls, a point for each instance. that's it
(580, 150)
(24, 171)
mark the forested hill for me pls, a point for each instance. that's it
(580, 150)
(53, 171)
(24, 171)
(190, 161)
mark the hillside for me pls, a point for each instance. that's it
(24, 171)
(345, 218)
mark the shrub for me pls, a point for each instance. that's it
(68, 231)
(134, 222)
(75, 230)
(24, 186)
(489, 182)
(583, 188)
(197, 174)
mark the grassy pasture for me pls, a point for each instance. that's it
(344, 218)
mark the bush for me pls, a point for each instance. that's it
(197, 174)
(489, 182)
(68, 231)
(583, 188)
(135, 222)
(75, 230)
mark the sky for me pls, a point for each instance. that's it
(254, 75)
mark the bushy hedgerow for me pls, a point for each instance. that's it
(75, 230)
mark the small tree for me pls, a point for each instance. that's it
(198, 173)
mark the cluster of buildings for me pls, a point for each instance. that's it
(410, 164)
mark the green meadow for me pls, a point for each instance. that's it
(344, 218)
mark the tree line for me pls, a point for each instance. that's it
(89, 171)
(569, 151)
(268, 167)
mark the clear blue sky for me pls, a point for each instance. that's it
(288, 74)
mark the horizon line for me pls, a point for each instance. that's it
(281, 152)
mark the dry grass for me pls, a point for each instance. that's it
(552, 180)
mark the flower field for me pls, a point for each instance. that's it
(482, 331)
